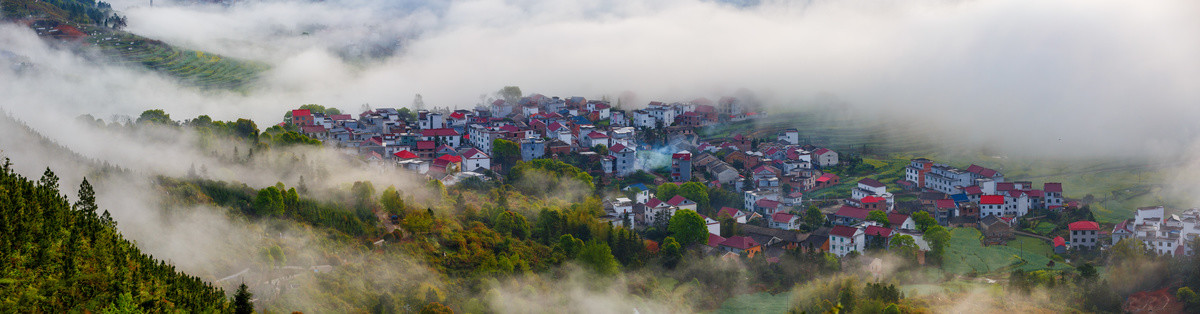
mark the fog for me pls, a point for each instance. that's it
(1066, 77)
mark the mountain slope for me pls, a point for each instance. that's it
(58, 257)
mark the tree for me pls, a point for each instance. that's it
(729, 226)
(506, 152)
(598, 256)
(155, 116)
(904, 245)
(687, 227)
(698, 193)
(436, 308)
(269, 202)
(1190, 300)
(512, 223)
(124, 305)
(938, 238)
(1127, 250)
(241, 301)
(880, 217)
(418, 103)
(569, 245)
(510, 94)
(392, 201)
(666, 191)
(813, 217)
(671, 252)
(846, 297)
(600, 149)
(1087, 271)
(924, 220)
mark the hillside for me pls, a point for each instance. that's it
(61, 257)
(95, 25)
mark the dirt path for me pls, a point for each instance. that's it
(387, 222)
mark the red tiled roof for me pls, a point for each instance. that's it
(404, 154)
(730, 211)
(426, 145)
(1004, 186)
(982, 171)
(852, 212)
(897, 219)
(821, 151)
(796, 194)
(1059, 241)
(1083, 225)
(870, 182)
(679, 199)
(450, 158)
(682, 156)
(945, 204)
(301, 112)
(475, 154)
(973, 190)
(1035, 193)
(310, 129)
(616, 148)
(767, 203)
(595, 134)
(653, 202)
(991, 199)
(1053, 187)
(439, 132)
(843, 231)
(341, 117)
(826, 177)
(782, 217)
(457, 115)
(715, 240)
(878, 231)
(740, 242)
(872, 199)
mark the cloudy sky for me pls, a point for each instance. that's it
(1054, 76)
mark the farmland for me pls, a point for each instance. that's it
(191, 67)
(966, 254)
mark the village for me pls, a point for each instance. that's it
(660, 144)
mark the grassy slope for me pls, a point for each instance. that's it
(966, 253)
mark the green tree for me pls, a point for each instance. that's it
(1087, 271)
(729, 226)
(241, 301)
(880, 217)
(905, 246)
(666, 191)
(671, 252)
(156, 116)
(1128, 250)
(506, 152)
(600, 149)
(124, 305)
(269, 202)
(598, 256)
(1191, 301)
(846, 297)
(570, 246)
(924, 220)
(436, 308)
(392, 201)
(511, 94)
(687, 227)
(698, 193)
(938, 238)
(813, 217)
(512, 223)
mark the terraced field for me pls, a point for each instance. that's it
(191, 67)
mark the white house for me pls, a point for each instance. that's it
(475, 159)
(844, 239)
(785, 221)
(1083, 234)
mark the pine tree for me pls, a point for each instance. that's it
(241, 301)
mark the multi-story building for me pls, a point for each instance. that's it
(1083, 234)
(532, 148)
(681, 166)
(846, 239)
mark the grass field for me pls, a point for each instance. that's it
(967, 253)
(191, 67)
(761, 302)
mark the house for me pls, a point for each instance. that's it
(1053, 194)
(785, 221)
(825, 157)
(991, 205)
(447, 164)
(750, 198)
(848, 215)
(916, 170)
(737, 215)
(715, 240)
(475, 159)
(790, 136)
(766, 207)
(827, 180)
(794, 199)
(532, 148)
(682, 203)
(656, 209)
(774, 241)
(943, 210)
(995, 230)
(624, 159)
(302, 117)
(1084, 234)
(901, 221)
(642, 193)
(741, 245)
(845, 239)
(878, 235)
(1121, 231)
(681, 166)
(1060, 245)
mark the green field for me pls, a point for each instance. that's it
(967, 253)
(191, 67)
(761, 302)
